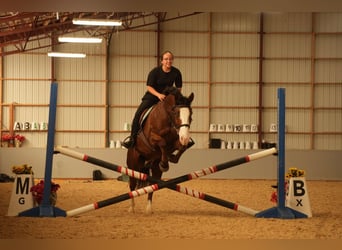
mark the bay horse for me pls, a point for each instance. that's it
(162, 138)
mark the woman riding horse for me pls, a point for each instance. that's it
(158, 79)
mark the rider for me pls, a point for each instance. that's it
(158, 79)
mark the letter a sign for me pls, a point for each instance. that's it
(21, 198)
(297, 196)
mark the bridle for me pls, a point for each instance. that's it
(173, 116)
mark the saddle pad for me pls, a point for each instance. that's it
(145, 115)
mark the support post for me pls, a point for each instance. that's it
(280, 211)
(46, 209)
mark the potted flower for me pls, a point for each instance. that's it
(6, 139)
(38, 191)
(19, 140)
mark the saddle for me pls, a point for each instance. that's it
(142, 120)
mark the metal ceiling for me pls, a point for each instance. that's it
(18, 29)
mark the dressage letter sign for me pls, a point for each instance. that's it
(297, 196)
(21, 198)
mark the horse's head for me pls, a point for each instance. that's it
(181, 113)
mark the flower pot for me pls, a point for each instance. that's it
(17, 143)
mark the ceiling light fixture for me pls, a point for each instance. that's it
(69, 55)
(97, 22)
(79, 39)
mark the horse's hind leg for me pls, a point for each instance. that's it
(156, 174)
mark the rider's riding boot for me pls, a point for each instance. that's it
(128, 142)
(190, 143)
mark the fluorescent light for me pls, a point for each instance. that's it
(70, 55)
(98, 22)
(79, 39)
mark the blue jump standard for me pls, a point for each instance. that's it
(46, 209)
(281, 211)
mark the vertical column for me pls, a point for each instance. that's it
(281, 148)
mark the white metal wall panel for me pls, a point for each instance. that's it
(328, 121)
(328, 96)
(235, 22)
(131, 68)
(296, 95)
(126, 93)
(235, 70)
(80, 118)
(119, 116)
(287, 46)
(89, 68)
(235, 45)
(26, 92)
(81, 93)
(298, 120)
(135, 43)
(328, 71)
(269, 117)
(328, 46)
(328, 142)
(27, 66)
(234, 116)
(287, 22)
(185, 44)
(296, 141)
(193, 70)
(200, 91)
(328, 22)
(200, 120)
(5, 118)
(31, 114)
(295, 71)
(242, 95)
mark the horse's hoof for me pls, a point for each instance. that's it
(131, 210)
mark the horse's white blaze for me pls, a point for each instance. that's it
(184, 134)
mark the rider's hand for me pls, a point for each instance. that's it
(161, 97)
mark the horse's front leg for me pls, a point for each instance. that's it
(164, 161)
(132, 185)
(156, 174)
(160, 141)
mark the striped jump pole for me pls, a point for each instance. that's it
(155, 187)
(159, 184)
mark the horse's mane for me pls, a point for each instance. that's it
(180, 99)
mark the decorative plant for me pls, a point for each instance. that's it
(22, 169)
(292, 172)
(7, 137)
(19, 137)
(38, 191)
